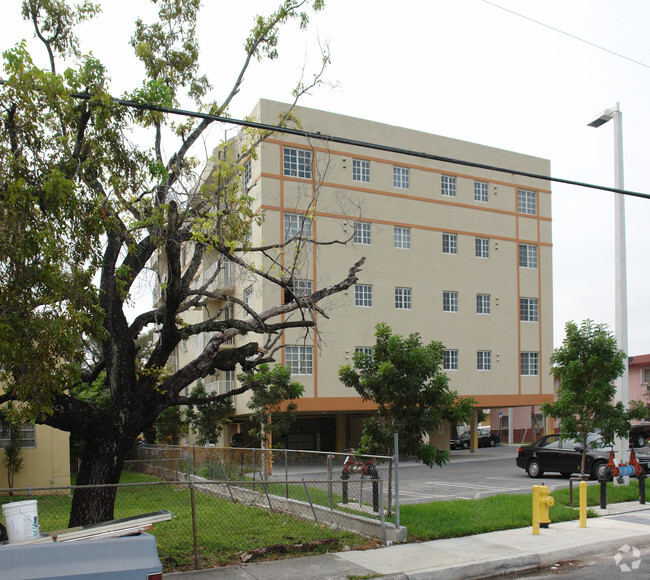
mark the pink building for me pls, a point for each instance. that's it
(639, 378)
(528, 424)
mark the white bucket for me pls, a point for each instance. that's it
(21, 519)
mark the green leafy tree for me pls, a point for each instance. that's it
(170, 426)
(272, 400)
(81, 201)
(586, 366)
(208, 420)
(12, 454)
(404, 377)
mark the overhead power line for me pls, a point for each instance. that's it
(598, 46)
(363, 144)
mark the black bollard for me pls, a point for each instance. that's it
(641, 479)
(603, 488)
(374, 474)
(344, 487)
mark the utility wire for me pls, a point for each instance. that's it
(356, 143)
(566, 33)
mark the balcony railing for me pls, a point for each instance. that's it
(223, 279)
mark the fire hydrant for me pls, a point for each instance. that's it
(542, 501)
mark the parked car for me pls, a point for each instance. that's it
(485, 439)
(552, 453)
(639, 433)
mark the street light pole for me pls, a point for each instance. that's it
(622, 383)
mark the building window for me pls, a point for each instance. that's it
(450, 301)
(646, 376)
(248, 175)
(482, 304)
(403, 298)
(529, 363)
(448, 185)
(450, 361)
(301, 287)
(401, 177)
(367, 350)
(528, 309)
(402, 237)
(483, 360)
(527, 256)
(449, 243)
(363, 295)
(481, 191)
(27, 435)
(296, 224)
(248, 297)
(527, 201)
(299, 359)
(482, 247)
(297, 162)
(360, 170)
(362, 233)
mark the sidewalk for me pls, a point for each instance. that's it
(459, 558)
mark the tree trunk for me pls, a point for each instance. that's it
(101, 464)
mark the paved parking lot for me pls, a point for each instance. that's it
(488, 471)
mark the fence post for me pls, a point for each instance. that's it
(329, 480)
(390, 488)
(396, 451)
(286, 474)
(381, 510)
(196, 542)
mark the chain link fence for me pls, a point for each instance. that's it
(245, 463)
(223, 522)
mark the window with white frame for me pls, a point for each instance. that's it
(482, 247)
(299, 359)
(482, 304)
(450, 360)
(296, 224)
(645, 378)
(362, 233)
(448, 185)
(248, 297)
(449, 301)
(403, 298)
(248, 175)
(401, 177)
(27, 435)
(529, 363)
(529, 309)
(297, 162)
(527, 256)
(367, 350)
(363, 295)
(361, 170)
(402, 238)
(483, 360)
(449, 243)
(481, 191)
(301, 287)
(527, 201)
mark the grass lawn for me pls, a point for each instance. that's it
(226, 529)
(464, 517)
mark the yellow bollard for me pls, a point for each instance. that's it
(542, 501)
(583, 504)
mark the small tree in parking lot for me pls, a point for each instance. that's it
(404, 377)
(586, 366)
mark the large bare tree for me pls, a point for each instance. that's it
(81, 202)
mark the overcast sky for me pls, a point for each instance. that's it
(469, 70)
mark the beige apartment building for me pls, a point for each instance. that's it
(460, 255)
